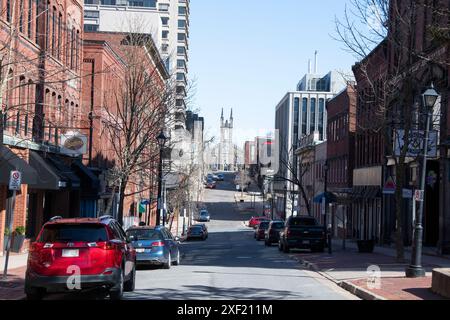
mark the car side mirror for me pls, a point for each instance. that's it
(177, 238)
(130, 239)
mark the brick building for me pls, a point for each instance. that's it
(341, 127)
(105, 69)
(40, 105)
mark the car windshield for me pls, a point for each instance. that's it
(278, 225)
(145, 234)
(196, 228)
(264, 225)
(74, 233)
(303, 222)
(204, 213)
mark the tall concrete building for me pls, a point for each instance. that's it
(299, 114)
(168, 23)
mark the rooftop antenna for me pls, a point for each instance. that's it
(315, 62)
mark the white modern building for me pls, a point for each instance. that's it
(302, 113)
(168, 23)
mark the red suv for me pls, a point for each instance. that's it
(78, 254)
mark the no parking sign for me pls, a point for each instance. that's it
(15, 180)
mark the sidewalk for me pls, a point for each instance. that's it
(12, 288)
(349, 269)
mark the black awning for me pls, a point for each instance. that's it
(64, 171)
(86, 173)
(49, 179)
(9, 161)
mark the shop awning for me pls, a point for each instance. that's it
(9, 161)
(64, 171)
(86, 173)
(49, 178)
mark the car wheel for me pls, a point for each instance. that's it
(34, 293)
(117, 294)
(131, 283)
(168, 264)
(177, 261)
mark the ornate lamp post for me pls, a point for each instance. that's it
(161, 142)
(415, 269)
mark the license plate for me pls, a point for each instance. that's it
(305, 242)
(140, 250)
(70, 253)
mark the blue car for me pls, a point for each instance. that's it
(155, 246)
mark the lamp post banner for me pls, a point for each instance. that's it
(416, 143)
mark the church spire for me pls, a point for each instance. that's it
(231, 118)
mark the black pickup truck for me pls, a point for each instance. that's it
(302, 233)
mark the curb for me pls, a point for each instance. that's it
(350, 287)
(360, 292)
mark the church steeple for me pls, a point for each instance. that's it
(231, 118)
(221, 119)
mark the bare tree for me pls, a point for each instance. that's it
(139, 111)
(393, 68)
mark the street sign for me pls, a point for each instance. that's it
(15, 180)
(419, 195)
(389, 186)
(407, 194)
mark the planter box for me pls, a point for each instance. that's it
(441, 282)
(17, 243)
(366, 246)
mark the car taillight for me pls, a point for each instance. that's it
(158, 244)
(106, 245)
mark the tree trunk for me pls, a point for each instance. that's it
(305, 198)
(122, 188)
(399, 212)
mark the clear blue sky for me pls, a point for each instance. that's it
(246, 54)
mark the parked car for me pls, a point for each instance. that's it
(302, 233)
(220, 177)
(204, 216)
(272, 234)
(261, 229)
(211, 184)
(196, 232)
(215, 177)
(98, 247)
(155, 246)
(204, 227)
(254, 221)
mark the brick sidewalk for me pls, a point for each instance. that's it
(349, 269)
(12, 289)
(401, 288)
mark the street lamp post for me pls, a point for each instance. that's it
(161, 142)
(415, 269)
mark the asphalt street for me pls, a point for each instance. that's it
(231, 264)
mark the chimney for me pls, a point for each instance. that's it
(315, 62)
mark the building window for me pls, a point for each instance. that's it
(108, 2)
(165, 21)
(181, 50)
(313, 116)
(58, 50)
(30, 18)
(181, 37)
(21, 16)
(296, 120)
(90, 27)
(321, 117)
(164, 7)
(304, 116)
(165, 34)
(54, 32)
(91, 14)
(181, 24)
(182, 10)
(181, 64)
(8, 10)
(143, 3)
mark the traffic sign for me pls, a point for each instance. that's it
(419, 195)
(15, 180)
(389, 186)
